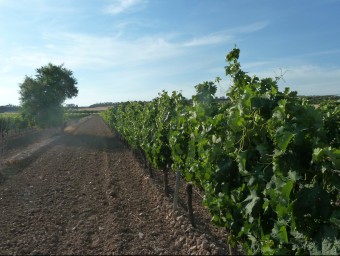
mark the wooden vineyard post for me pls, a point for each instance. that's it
(189, 195)
(143, 157)
(150, 170)
(165, 181)
(176, 190)
(231, 252)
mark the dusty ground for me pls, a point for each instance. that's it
(85, 193)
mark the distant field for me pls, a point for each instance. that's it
(93, 109)
(9, 114)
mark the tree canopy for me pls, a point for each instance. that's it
(42, 96)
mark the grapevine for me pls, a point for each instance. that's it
(267, 161)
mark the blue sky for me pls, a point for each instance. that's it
(123, 50)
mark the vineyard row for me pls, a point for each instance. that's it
(267, 161)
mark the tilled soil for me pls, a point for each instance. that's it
(85, 193)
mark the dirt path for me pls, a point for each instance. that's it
(85, 193)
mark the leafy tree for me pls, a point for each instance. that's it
(42, 97)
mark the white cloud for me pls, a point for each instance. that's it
(80, 50)
(306, 79)
(314, 80)
(105, 52)
(250, 28)
(225, 36)
(256, 64)
(95, 52)
(208, 40)
(96, 61)
(319, 53)
(91, 52)
(119, 6)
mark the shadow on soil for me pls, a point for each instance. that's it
(13, 167)
(87, 141)
(93, 142)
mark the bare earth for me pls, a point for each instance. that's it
(83, 192)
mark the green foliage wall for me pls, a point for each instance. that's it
(267, 161)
